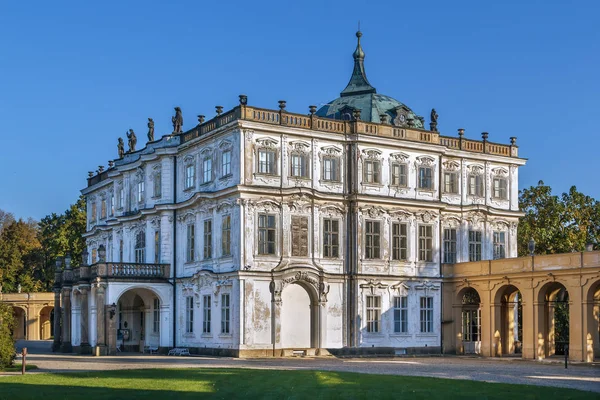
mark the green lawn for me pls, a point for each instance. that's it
(162, 384)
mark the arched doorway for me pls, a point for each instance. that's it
(20, 326)
(592, 335)
(298, 318)
(511, 320)
(46, 322)
(555, 299)
(138, 320)
(471, 321)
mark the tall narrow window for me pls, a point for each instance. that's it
(226, 235)
(191, 242)
(399, 241)
(331, 238)
(500, 186)
(372, 239)
(156, 316)
(299, 166)
(140, 191)
(450, 245)
(103, 209)
(94, 256)
(451, 182)
(331, 169)
(225, 314)
(206, 314)
(499, 245)
(266, 161)
(426, 314)
(266, 234)
(112, 205)
(299, 236)
(157, 247)
(121, 197)
(399, 176)
(371, 171)
(474, 246)
(425, 243)
(190, 176)
(207, 169)
(157, 185)
(189, 314)
(121, 250)
(94, 212)
(373, 314)
(426, 178)
(226, 163)
(207, 239)
(476, 185)
(401, 314)
(140, 247)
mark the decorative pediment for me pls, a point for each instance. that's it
(267, 205)
(427, 286)
(426, 160)
(372, 286)
(224, 205)
(475, 169)
(139, 173)
(371, 154)
(401, 288)
(476, 219)
(500, 224)
(331, 209)
(331, 151)
(267, 142)
(156, 167)
(206, 152)
(155, 222)
(187, 216)
(402, 157)
(189, 159)
(427, 216)
(225, 144)
(372, 211)
(401, 214)
(500, 172)
(451, 165)
(451, 220)
(299, 146)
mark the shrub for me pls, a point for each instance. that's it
(7, 343)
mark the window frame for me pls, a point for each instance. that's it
(157, 185)
(450, 185)
(206, 314)
(399, 176)
(371, 172)
(189, 314)
(226, 163)
(140, 247)
(398, 239)
(500, 192)
(372, 240)
(207, 239)
(334, 171)
(331, 238)
(267, 166)
(226, 235)
(141, 187)
(449, 245)
(499, 246)
(190, 242)
(373, 313)
(207, 169)
(475, 245)
(264, 235)
(225, 314)
(156, 315)
(476, 185)
(157, 246)
(400, 309)
(425, 252)
(426, 308)
(427, 178)
(304, 162)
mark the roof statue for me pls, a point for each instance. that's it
(434, 118)
(132, 140)
(359, 94)
(177, 121)
(121, 148)
(150, 130)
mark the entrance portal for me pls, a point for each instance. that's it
(135, 307)
(296, 318)
(471, 322)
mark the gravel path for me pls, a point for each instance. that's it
(507, 370)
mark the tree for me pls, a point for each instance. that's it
(7, 343)
(557, 224)
(6, 219)
(19, 257)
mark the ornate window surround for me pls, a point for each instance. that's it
(268, 145)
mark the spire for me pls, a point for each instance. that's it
(359, 84)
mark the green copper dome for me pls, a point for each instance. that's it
(360, 95)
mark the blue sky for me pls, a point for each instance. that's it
(74, 76)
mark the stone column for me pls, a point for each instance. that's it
(66, 321)
(56, 322)
(100, 349)
(84, 320)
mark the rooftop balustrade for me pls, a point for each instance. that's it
(125, 271)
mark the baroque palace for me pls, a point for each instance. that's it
(263, 232)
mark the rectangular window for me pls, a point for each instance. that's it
(207, 169)
(189, 314)
(225, 314)
(191, 243)
(331, 169)
(426, 178)
(476, 185)
(399, 176)
(426, 314)
(425, 243)
(156, 316)
(140, 247)
(226, 235)
(372, 242)
(299, 167)
(399, 241)
(226, 163)
(121, 250)
(450, 245)
(121, 198)
(373, 314)
(371, 171)
(190, 176)
(499, 245)
(207, 239)
(266, 234)
(331, 238)
(299, 236)
(474, 246)
(94, 256)
(140, 191)
(206, 314)
(500, 186)
(103, 209)
(156, 247)
(401, 314)
(266, 161)
(112, 205)
(94, 213)
(157, 185)
(451, 182)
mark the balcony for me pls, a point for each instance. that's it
(122, 271)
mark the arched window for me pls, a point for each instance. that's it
(140, 247)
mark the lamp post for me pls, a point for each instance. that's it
(531, 247)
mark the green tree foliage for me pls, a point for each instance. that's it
(7, 343)
(19, 257)
(558, 224)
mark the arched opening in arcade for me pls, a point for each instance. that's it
(20, 325)
(511, 321)
(555, 320)
(471, 321)
(46, 322)
(138, 320)
(299, 316)
(592, 317)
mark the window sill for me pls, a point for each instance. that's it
(427, 334)
(299, 178)
(226, 335)
(428, 190)
(451, 193)
(329, 182)
(207, 335)
(266, 175)
(189, 335)
(189, 188)
(401, 334)
(372, 185)
(206, 183)
(226, 176)
(398, 186)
